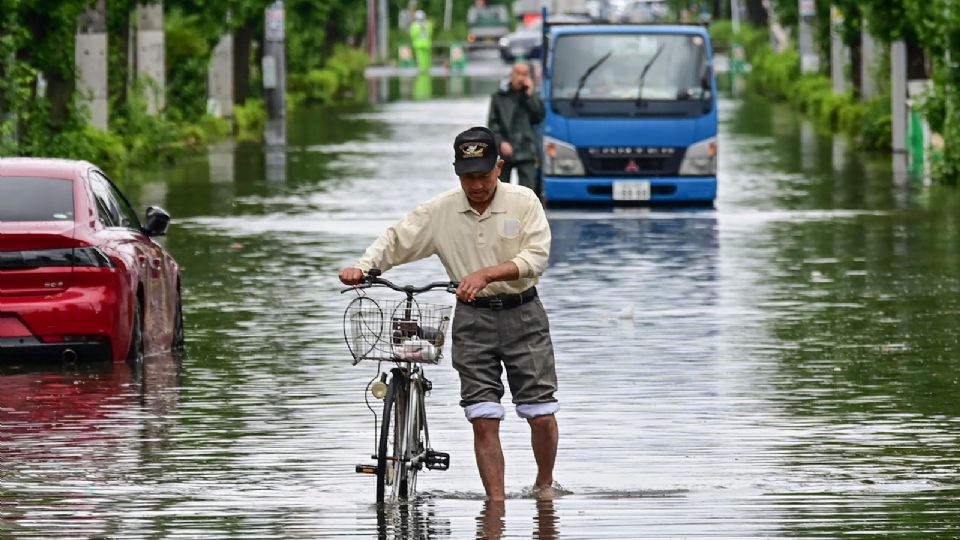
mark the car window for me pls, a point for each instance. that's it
(108, 211)
(36, 199)
(128, 216)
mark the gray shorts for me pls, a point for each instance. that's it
(486, 340)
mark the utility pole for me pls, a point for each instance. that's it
(838, 51)
(220, 97)
(275, 89)
(898, 95)
(809, 60)
(383, 26)
(372, 30)
(150, 54)
(868, 63)
(274, 61)
(90, 59)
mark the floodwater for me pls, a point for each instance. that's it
(784, 365)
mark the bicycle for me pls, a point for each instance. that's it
(410, 334)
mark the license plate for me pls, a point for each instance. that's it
(518, 51)
(631, 191)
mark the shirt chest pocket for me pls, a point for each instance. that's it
(508, 228)
(508, 235)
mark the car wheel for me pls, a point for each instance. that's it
(135, 354)
(178, 331)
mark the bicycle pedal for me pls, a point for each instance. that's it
(367, 469)
(437, 461)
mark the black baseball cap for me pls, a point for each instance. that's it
(475, 150)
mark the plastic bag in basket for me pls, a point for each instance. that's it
(415, 349)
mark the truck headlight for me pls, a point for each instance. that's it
(700, 159)
(560, 158)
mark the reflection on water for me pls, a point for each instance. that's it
(74, 437)
(783, 366)
(275, 149)
(492, 522)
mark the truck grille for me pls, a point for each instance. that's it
(632, 161)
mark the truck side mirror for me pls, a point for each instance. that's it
(706, 78)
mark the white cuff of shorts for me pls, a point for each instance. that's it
(533, 410)
(487, 409)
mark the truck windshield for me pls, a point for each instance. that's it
(488, 16)
(676, 65)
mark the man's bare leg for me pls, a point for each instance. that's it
(486, 445)
(544, 437)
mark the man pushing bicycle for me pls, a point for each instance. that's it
(493, 238)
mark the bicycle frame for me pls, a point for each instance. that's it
(401, 456)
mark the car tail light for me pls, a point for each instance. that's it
(90, 257)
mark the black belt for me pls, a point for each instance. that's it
(504, 301)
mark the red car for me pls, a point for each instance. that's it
(80, 276)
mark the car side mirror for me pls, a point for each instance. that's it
(157, 221)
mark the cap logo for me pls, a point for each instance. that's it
(473, 149)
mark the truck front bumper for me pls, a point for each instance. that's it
(599, 190)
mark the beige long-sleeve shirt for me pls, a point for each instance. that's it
(513, 228)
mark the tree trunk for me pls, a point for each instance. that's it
(118, 69)
(242, 41)
(856, 59)
(916, 60)
(60, 93)
(23, 128)
(756, 13)
(333, 34)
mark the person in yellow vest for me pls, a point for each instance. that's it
(421, 32)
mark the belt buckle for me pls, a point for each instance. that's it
(496, 303)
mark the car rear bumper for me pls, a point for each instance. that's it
(599, 190)
(86, 319)
(32, 349)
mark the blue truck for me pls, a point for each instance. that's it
(631, 114)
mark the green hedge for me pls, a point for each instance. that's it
(341, 79)
(777, 75)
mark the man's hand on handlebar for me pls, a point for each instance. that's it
(351, 276)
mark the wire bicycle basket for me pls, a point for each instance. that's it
(395, 330)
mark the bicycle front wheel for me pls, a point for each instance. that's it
(384, 449)
(415, 437)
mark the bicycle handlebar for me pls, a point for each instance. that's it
(373, 279)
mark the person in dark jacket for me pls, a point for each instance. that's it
(514, 111)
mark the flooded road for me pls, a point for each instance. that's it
(785, 365)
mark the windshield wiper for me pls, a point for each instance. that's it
(586, 74)
(646, 68)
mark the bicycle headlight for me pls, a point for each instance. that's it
(560, 158)
(378, 389)
(700, 159)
